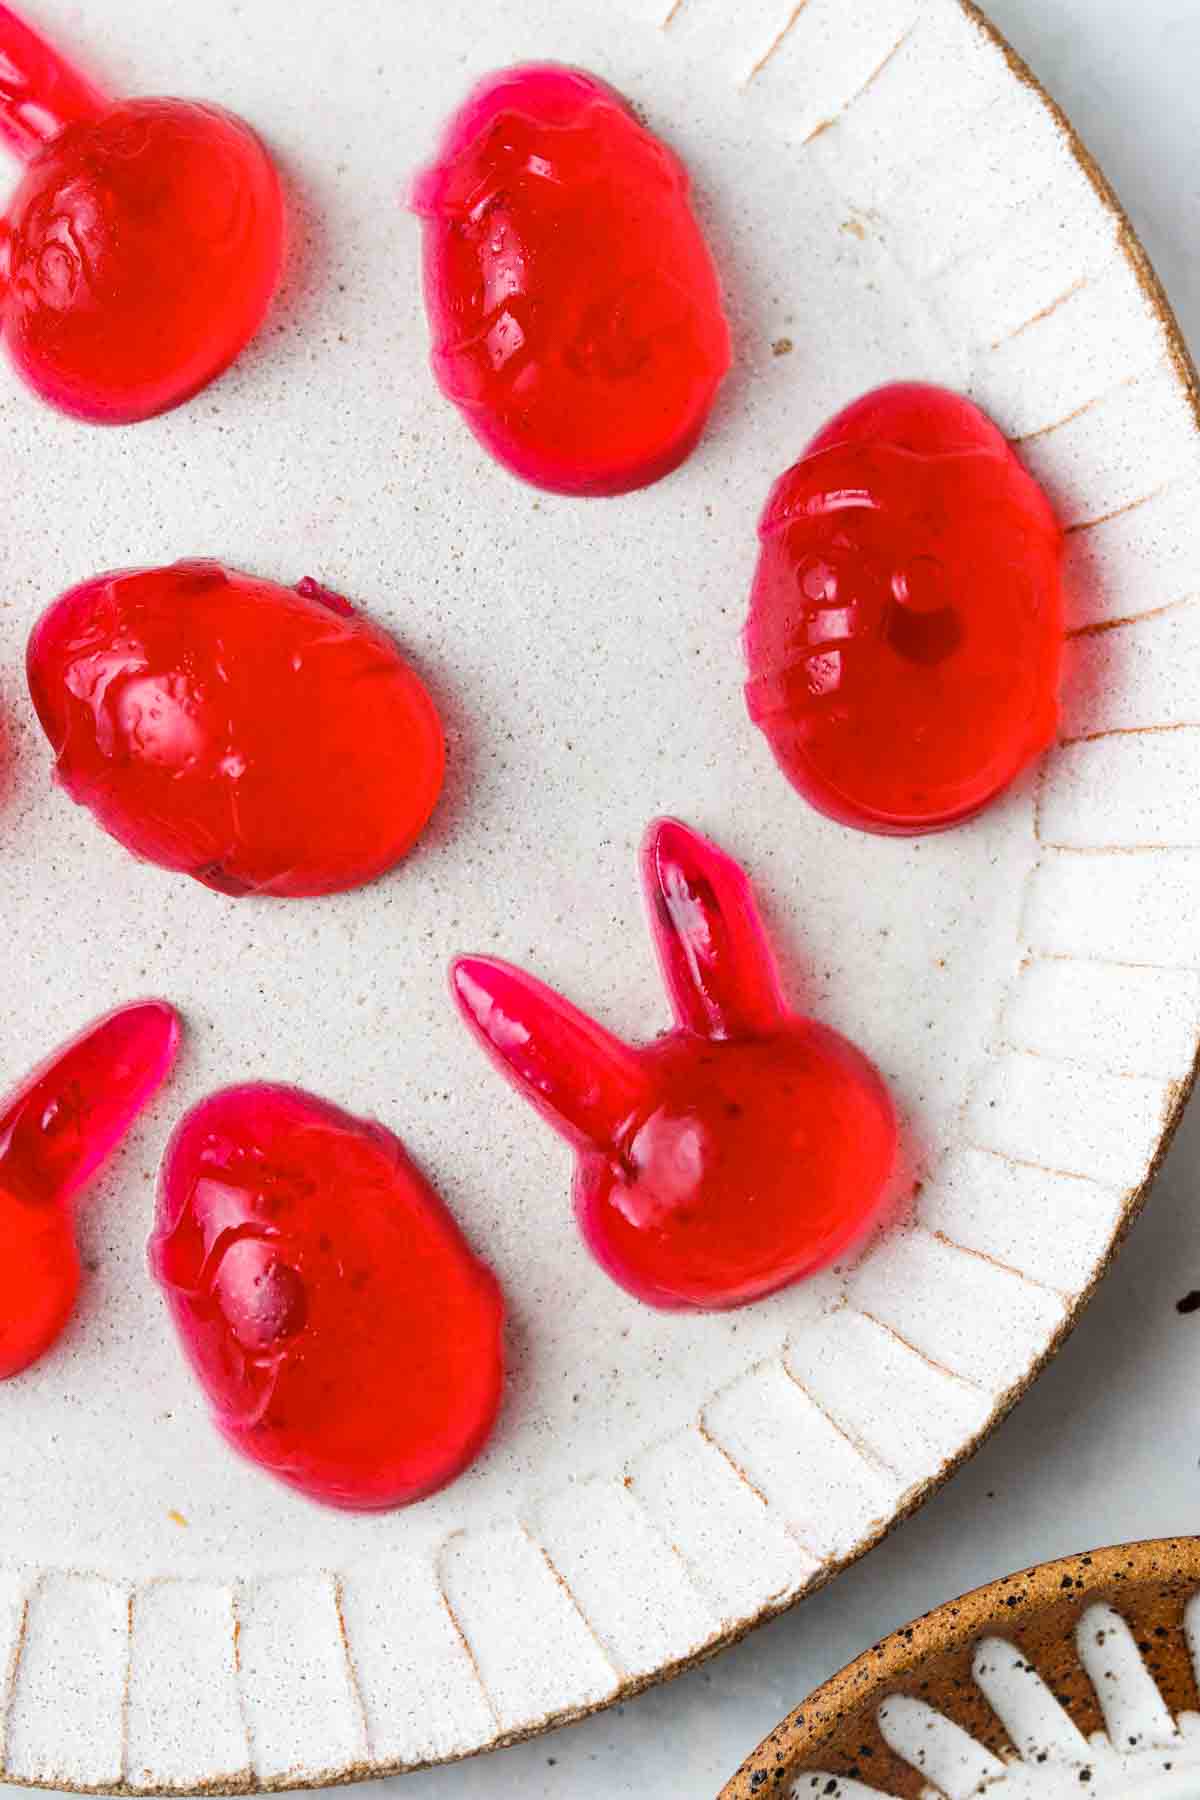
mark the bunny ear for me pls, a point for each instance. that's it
(716, 961)
(584, 1081)
(58, 1128)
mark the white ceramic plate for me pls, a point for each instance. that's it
(886, 194)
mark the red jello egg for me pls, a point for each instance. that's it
(346, 1337)
(905, 628)
(55, 1131)
(575, 310)
(731, 1156)
(262, 739)
(141, 248)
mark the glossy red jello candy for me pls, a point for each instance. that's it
(346, 1337)
(260, 738)
(55, 1131)
(905, 626)
(575, 311)
(143, 245)
(740, 1151)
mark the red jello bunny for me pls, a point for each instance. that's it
(731, 1156)
(141, 248)
(55, 1131)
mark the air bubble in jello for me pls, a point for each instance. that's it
(346, 1337)
(905, 626)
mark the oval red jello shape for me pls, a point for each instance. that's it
(346, 1336)
(575, 311)
(262, 739)
(55, 1131)
(145, 246)
(904, 639)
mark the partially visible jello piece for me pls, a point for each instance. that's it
(345, 1335)
(260, 738)
(142, 246)
(575, 311)
(905, 628)
(55, 1131)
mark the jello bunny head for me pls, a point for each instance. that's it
(142, 246)
(738, 1152)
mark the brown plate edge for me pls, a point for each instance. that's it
(892, 1664)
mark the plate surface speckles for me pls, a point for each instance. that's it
(1077, 1676)
(886, 193)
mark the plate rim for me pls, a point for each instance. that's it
(956, 1624)
(1185, 373)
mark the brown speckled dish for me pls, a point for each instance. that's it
(1096, 1698)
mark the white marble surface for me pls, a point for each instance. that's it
(1103, 1449)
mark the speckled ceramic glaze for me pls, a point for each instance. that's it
(1079, 1676)
(886, 194)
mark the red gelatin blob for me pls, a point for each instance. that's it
(345, 1335)
(55, 1131)
(742, 1150)
(906, 622)
(262, 739)
(143, 245)
(575, 311)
